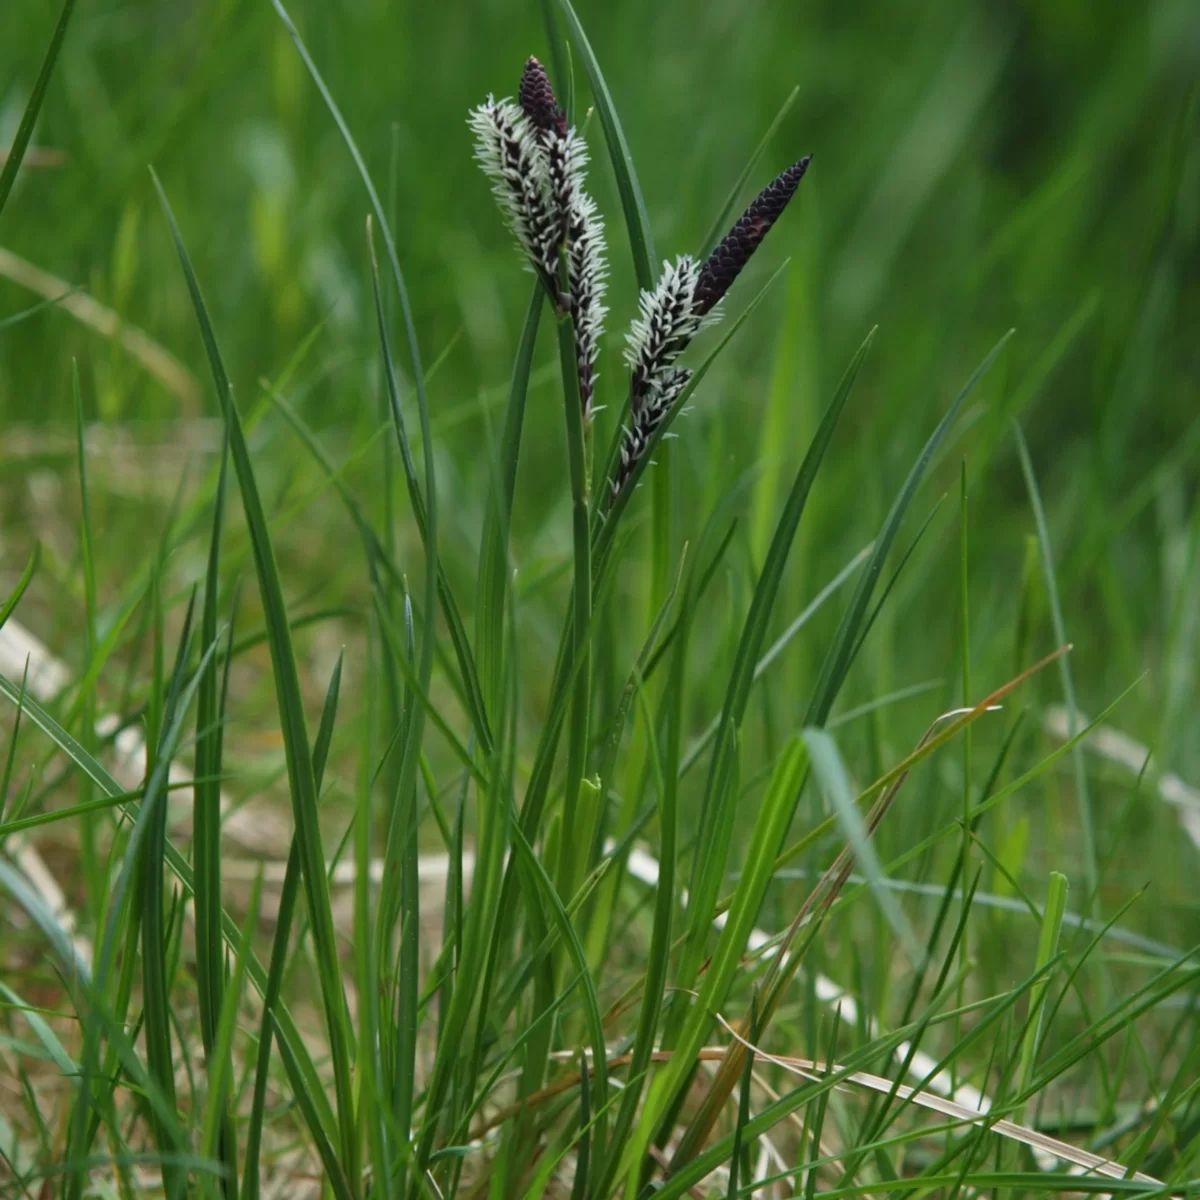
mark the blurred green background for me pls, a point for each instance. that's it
(977, 167)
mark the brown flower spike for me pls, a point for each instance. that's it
(725, 263)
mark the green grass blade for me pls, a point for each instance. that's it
(217, 1125)
(288, 896)
(9, 606)
(545, 893)
(637, 222)
(1047, 948)
(20, 144)
(206, 820)
(834, 779)
(156, 997)
(493, 546)
(581, 614)
(841, 652)
(372, 1104)
(721, 221)
(307, 1102)
(1086, 823)
(295, 735)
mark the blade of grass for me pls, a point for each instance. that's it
(1047, 948)
(493, 544)
(9, 606)
(20, 143)
(581, 615)
(637, 222)
(206, 827)
(295, 735)
(288, 896)
(834, 779)
(156, 998)
(721, 220)
(844, 646)
(216, 1124)
(1086, 825)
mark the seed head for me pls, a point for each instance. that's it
(734, 251)
(538, 101)
(507, 148)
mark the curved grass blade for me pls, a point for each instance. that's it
(429, 529)
(845, 642)
(20, 142)
(834, 779)
(26, 579)
(377, 556)
(291, 711)
(721, 220)
(493, 546)
(637, 222)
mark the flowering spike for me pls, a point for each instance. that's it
(538, 101)
(665, 389)
(667, 320)
(507, 148)
(587, 276)
(734, 251)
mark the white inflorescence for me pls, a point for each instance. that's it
(508, 150)
(587, 276)
(538, 179)
(666, 322)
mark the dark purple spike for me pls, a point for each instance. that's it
(538, 101)
(725, 263)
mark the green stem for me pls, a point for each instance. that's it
(582, 600)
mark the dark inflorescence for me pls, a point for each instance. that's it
(736, 247)
(538, 101)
